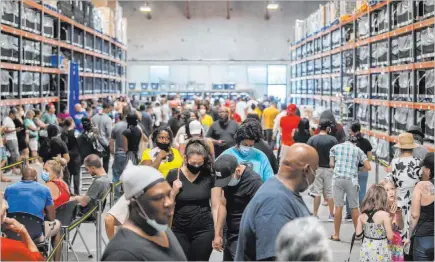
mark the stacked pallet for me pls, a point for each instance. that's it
(108, 17)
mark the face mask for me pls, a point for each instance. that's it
(245, 150)
(163, 146)
(223, 120)
(202, 111)
(194, 169)
(45, 176)
(234, 181)
(150, 222)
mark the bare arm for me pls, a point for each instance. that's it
(415, 208)
(332, 162)
(125, 144)
(359, 227)
(370, 155)
(216, 193)
(112, 146)
(388, 226)
(367, 165)
(109, 222)
(50, 213)
(222, 214)
(66, 157)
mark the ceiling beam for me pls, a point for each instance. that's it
(188, 9)
(228, 10)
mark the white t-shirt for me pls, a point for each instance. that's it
(240, 109)
(166, 112)
(249, 104)
(158, 113)
(9, 124)
(120, 211)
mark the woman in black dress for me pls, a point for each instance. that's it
(69, 136)
(302, 133)
(22, 135)
(193, 222)
(132, 137)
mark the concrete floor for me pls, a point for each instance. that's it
(340, 249)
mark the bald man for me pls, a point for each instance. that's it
(78, 115)
(276, 203)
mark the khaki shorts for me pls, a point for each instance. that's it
(342, 187)
(50, 230)
(323, 183)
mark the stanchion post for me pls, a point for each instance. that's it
(98, 225)
(23, 163)
(376, 170)
(112, 195)
(65, 231)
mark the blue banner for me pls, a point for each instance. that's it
(144, 86)
(131, 85)
(74, 88)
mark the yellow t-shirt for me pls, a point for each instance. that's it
(165, 166)
(269, 115)
(258, 111)
(207, 121)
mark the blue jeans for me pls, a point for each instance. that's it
(423, 248)
(117, 169)
(362, 181)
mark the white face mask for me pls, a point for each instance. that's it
(234, 181)
(158, 227)
(202, 111)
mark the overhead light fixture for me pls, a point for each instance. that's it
(272, 6)
(145, 9)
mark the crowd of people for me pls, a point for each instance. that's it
(223, 175)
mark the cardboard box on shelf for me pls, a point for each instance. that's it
(299, 29)
(99, 3)
(52, 3)
(124, 31)
(107, 19)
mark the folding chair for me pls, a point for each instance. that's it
(34, 226)
(90, 219)
(66, 213)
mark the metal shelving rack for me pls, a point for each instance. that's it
(375, 78)
(95, 80)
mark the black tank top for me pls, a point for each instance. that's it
(301, 138)
(425, 224)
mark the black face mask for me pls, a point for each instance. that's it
(163, 146)
(223, 120)
(194, 169)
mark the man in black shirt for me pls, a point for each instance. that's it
(175, 122)
(145, 236)
(239, 183)
(323, 142)
(222, 132)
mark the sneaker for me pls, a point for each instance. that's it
(348, 218)
(331, 218)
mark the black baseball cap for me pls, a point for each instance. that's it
(225, 166)
(324, 123)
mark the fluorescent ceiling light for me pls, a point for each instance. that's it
(145, 9)
(272, 6)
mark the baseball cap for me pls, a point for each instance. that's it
(224, 167)
(136, 180)
(195, 127)
(325, 123)
(291, 108)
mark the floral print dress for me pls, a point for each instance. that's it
(406, 173)
(375, 243)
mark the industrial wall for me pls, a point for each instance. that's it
(209, 39)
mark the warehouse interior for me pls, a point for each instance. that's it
(371, 61)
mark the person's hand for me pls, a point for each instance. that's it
(177, 185)
(406, 242)
(393, 207)
(217, 243)
(163, 154)
(14, 225)
(388, 169)
(221, 142)
(274, 137)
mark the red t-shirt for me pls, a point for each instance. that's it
(13, 250)
(288, 123)
(236, 117)
(64, 193)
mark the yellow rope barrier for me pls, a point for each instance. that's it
(83, 218)
(55, 248)
(17, 163)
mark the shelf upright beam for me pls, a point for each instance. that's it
(20, 49)
(59, 76)
(390, 86)
(355, 82)
(41, 48)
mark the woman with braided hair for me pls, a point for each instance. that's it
(193, 187)
(246, 136)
